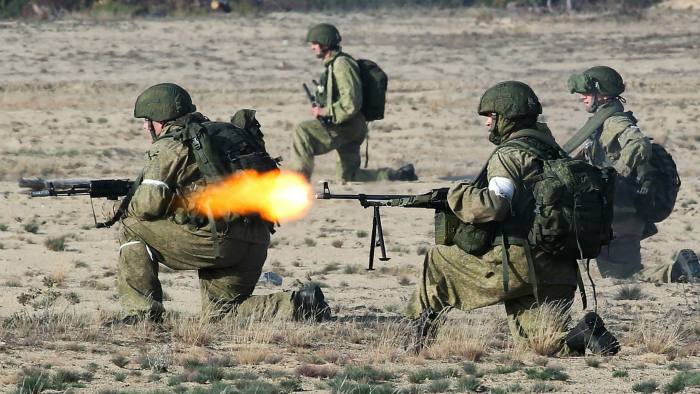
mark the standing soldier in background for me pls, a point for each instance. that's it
(616, 141)
(490, 260)
(161, 225)
(339, 123)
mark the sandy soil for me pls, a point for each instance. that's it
(66, 95)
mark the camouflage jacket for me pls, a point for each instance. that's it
(341, 80)
(170, 173)
(473, 204)
(619, 144)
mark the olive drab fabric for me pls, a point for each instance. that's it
(163, 102)
(573, 201)
(324, 34)
(600, 80)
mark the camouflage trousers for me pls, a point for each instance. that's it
(311, 138)
(453, 278)
(226, 281)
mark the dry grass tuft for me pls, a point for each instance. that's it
(464, 340)
(317, 371)
(388, 344)
(661, 337)
(195, 330)
(252, 356)
(546, 328)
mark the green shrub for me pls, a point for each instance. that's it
(645, 386)
(546, 374)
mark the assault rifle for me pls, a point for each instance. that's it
(110, 189)
(435, 199)
(312, 99)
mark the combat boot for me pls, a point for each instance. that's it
(310, 304)
(686, 268)
(404, 173)
(590, 332)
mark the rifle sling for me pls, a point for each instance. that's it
(593, 124)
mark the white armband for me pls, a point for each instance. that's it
(502, 187)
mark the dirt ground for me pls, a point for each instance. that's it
(67, 90)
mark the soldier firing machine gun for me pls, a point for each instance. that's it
(435, 199)
(110, 189)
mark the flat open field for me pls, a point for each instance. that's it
(67, 90)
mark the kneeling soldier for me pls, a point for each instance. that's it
(161, 226)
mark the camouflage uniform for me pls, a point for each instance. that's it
(453, 278)
(153, 231)
(622, 145)
(340, 95)
(615, 141)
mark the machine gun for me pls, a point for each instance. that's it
(110, 189)
(435, 199)
(312, 99)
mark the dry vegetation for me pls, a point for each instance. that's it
(67, 99)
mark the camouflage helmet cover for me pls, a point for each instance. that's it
(163, 102)
(510, 99)
(324, 34)
(601, 80)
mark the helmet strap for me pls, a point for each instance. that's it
(152, 130)
(493, 130)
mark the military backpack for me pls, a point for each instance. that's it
(661, 173)
(223, 148)
(573, 202)
(374, 86)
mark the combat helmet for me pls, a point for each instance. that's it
(598, 80)
(163, 102)
(324, 34)
(515, 106)
(510, 99)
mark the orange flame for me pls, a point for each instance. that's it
(274, 195)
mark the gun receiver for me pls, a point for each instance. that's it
(110, 189)
(435, 199)
(312, 99)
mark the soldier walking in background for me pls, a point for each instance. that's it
(161, 226)
(338, 123)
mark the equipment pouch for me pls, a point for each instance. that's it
(475, 238)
